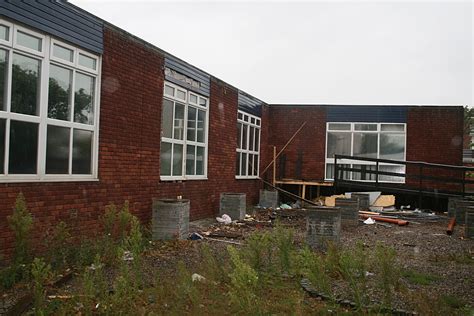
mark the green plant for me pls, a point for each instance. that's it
(40, 272)
(258, 250)
(284, 242)
(353, 265)
(59, 246)
(243, 283)
(314, 267)
(21, 223)
(10, 275)
(124, 220)
(419, 278)
(387, 271)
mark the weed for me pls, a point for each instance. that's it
(284, 241)
(124, 219)
(58, 245)
(387, 271)
(314, 268)
(21, 223)
(353, 266)
(258, 250)
(243, 283)
(419, 278)
(40, 272)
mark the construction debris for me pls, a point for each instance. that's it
(451, 224)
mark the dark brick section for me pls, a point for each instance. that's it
(305, 154)
(130, 119)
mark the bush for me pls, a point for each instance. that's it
(40, 273)
(21, 223)
(59, 246)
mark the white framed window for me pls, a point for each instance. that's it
(49, 108)
(184, 134)
(248, 146)
(369, 140)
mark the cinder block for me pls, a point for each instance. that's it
(234, 205)
(170, 219)
(323, 225)
(268, 199)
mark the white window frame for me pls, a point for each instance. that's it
(185, 141)
(361, 162)
(41, 119)
(247, 120)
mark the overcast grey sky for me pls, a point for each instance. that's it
(351, 52)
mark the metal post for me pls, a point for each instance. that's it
(463, 182)
(377, 174)
(420, 187)
(336, 174)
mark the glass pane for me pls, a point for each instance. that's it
(169, 91)
(365, 145)
(167, 119)
(84, 99)
(392, 146)
(191, 124)
(251, 137)
(190, 158)
(87, 61)
(202, 102)
(193, 99)
(25, 85)
(4, 32)
(177, 160)
(237, 164)
(178, 121)
(257, 139)
(339, 126)
(363, 174)
(393, 128)
(365, 127)
(258, 122)
(57, 150)
(252, 120)
(3, 77)
(338, 143)
(239, 116)
(244, 136)
(63, 53)
(201, 126)
(394, 169)
(239, 135)
(243, 165)
(2, 145)
(23, 148)
(165, 159)
(82, 152)
(59, 93)
(250, 164)
(181, 95)
(27, 40)
(330, 171)
(200, 160)
(255, 165)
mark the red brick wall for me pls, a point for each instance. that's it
(310, 142)
(129, 147)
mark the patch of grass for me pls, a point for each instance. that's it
(452, 301)
(419, 278)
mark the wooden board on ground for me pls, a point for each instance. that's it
(385, 201)
(331, 200)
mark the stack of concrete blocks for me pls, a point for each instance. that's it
(457, 208)
(323, 226)
(349, 210)
(469, 228)
(268, 199)
(364, 200)
(170, 219)
(234, 205)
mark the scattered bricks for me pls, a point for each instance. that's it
(233, 204)
(323, 225)
(268, 199)
(364, 200)
(349, 211)
(170, 219)
(469, 228)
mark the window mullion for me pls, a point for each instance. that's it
(185, 137)
(43, 110)
(7, 146)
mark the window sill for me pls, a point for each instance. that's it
(174, 179)
(24, 179)
(246, 178)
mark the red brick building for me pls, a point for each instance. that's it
(109, 117)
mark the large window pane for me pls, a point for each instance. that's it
(250, 165)
(177, 160)
(82, 152)
(243, 164)
(251, 137)
(392, 146)
(4, 32)
(178, 121)
(25, 85)
(237, 164)
(23, 154)
(165, 159)
(190, 158)
(257, 140)
(59, 93)
(2, 145)
(84, 99)
(167, 119)
(57, 150)
(3, 77)
(365, 145)
(29, 41)
(63, 53)
(199, 160)
(191, 124)
(244, 136)
(255, 165)
(239, 135)
(338, 143)
(201, 126)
